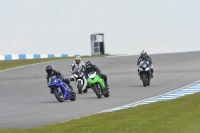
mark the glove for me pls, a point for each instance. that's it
(60, 77)
(101, 75)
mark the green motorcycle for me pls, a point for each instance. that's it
(97, 84)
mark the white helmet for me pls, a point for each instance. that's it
(143, 53)
(78, 59)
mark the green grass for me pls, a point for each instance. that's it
(180, 115)
(6, 64)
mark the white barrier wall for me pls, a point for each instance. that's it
(32, 56)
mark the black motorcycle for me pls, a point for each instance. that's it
(145, 72)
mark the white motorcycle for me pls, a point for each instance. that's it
(80, 80)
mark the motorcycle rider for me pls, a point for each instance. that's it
(91, 67)
(51, 72)
(77, 64)
(144, 56)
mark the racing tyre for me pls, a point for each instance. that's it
(97, 90)
(59, 95)
(79, 86)
(144, 80)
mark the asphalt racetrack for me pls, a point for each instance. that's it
(25, 99)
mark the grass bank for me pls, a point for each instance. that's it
(180, 115)
(6, 64)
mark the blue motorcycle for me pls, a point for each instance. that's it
(61, 90)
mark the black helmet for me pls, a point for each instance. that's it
(143, 53)
(49, 69)
(88, 65)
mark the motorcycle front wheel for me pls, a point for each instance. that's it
(144, 80)
(97, 91)
(79, 86)
(59, 95)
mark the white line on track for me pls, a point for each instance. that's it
(167, 96)
(163, 97)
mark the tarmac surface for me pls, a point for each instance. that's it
(25, 99)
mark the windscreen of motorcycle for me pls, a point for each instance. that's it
(92, 74)
(144, 63)
(79, 68)
(51, 79)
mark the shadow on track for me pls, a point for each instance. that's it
(89, 98)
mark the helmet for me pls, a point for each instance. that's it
(143, 53)
(78, 59)
(49, 69)
(88, 65)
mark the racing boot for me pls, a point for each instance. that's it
(139, 74)
(86, 88)
(151, 73)
(140, 77)
(70, 88)
(106, 84)
(104, 92)
(51, 91)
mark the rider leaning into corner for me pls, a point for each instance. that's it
(144, 56)
(90, 67)
(51, 72)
